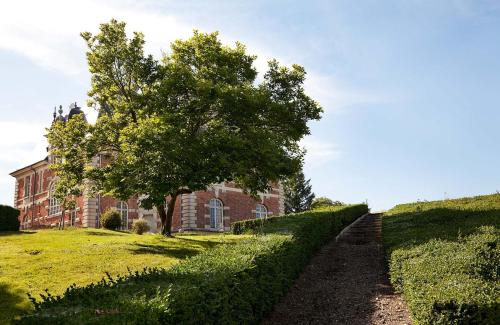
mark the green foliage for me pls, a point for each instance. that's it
(231, 284)
(70, 158)
(140, 226)
(444, 256)
(321, 202)
(9, 218)
(298, 193)
(111, 219)
(195, 118)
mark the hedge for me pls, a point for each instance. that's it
(9, 218)
(230, 284)
(444, 257)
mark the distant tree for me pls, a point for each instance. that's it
(195, 118)
(321, 202)
(298, 193)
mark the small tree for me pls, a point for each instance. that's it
(67, 141)
(298, 194)
(321, 202)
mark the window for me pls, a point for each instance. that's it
(27, 186)
(54, 206)
(122, 209)
(40, 182)
(260, 211)
(216, 214)
(72, 215)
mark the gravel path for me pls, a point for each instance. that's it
(345, 283)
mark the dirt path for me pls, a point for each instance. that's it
(345, 283)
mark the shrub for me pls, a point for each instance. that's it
(111, 219)
(444, 276)
(9, 218)
(230, 284)
(140, 226)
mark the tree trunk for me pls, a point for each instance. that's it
(163, 219)
(61, 223)
(166, 216)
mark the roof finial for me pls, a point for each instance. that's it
(60, 110)
(55, 107)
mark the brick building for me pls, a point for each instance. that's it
(211, 210)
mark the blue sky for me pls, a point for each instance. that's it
(410, 89)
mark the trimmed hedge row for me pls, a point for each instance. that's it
(451, 282)
(230, 284)
(444, 257)
(262, 225)
(9, 218)
(251, 225)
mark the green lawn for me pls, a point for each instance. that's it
(52, 259)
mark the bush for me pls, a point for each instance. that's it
(111, 219)
(9, 218)
(140, 226)
(230, 284)
(444, 276)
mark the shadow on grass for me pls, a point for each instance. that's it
(176, 252)
(16, 233)
(9, 304)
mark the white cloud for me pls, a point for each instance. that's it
(22, 147)
(318, 152)
(18, 149)
(47, 32)
(334, 96)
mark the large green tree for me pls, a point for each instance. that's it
(194, 118)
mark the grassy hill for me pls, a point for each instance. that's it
(32, 261)
(444, 256)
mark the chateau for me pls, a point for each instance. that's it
(211, 210)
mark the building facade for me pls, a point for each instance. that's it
(211, 210)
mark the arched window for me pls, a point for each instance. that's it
(216, 214)
(122, 209)
(54, 205)
(260, 211)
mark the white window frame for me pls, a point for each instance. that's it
(260, 211)
(54, 205)
(122, 208)
(216, 211)
(40, 181)
(27, 186)
(72, 217)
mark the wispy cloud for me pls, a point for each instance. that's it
(319, 152)
(47, 32)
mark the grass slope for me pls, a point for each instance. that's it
(51, 259)
(444, 257)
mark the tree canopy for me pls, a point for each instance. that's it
(193, 118)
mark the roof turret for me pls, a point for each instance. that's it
(74, 110)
